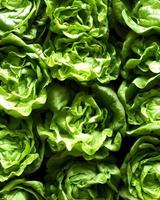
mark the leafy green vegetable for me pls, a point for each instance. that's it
(83, 60)
(140, 170)
(15, 16)
(78, 79)
(19, 151)
(23, 76)
(88, 123)
(141, 56)
(141, 16)
(22, 189)
(76, 18)
(83, 180)
(77, 47)
(142, 101)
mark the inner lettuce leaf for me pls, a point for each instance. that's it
(20, 151)
(141, 99)
(83, 180)
(89, 122)
(140, 56)
(141, 170)
(76, 18)
(23, 76)
(141, 16)
(21, 189)
(86, 59)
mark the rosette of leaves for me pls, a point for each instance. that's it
(23, 190)
(141, 16)
(23, 76)
(87, 59)
(82, 180)
(141, 99)
(76, 18)
(20, 152)
(140, 170)
(17, 16)
(90, 123)
(140, 56)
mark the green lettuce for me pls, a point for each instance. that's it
(76, 18)
(141, 16)
(140, 170)
(141, 99)
(21, 189)
(84, 60)
(140, 56)
(20, 152)
(77, 47)
(89, 122)
(82, 180)
(23, 76)
(15, 16)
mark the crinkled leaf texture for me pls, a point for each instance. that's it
(141, 170)
(77, 18)
(141, 99)
(21, 189)
(83, 180)
(15, 16)
(87, 59)
(87, 123)
(23, 76)
(141, 16)
(140, 56)
(77, 46)
(19, 152)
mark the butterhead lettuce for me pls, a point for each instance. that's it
(83, 180)
(77, 18)
(89, 123)
(23, 190)
(140, 170)
(20, 152)
(141, 16)
(84, 60)
(23, 76)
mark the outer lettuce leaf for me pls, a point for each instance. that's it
(23, 76)
(16, 15)
(117, 26)
(76, 18)
(141, 99)
(19, 152)
(117, 7)
(140, 170)
(83, 180)
(87, 123)
(35, 31)
(22, 189)
(140, 56)
(141, 16)
(83, 60)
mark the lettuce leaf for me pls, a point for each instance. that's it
(20, 152)
(23, 76)
(140, 56)
(87, 123)
(23, 189)
(140, 170)
(84, 60)
(76, 18)
(141, 16)
(83, 180)
(15, 16)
